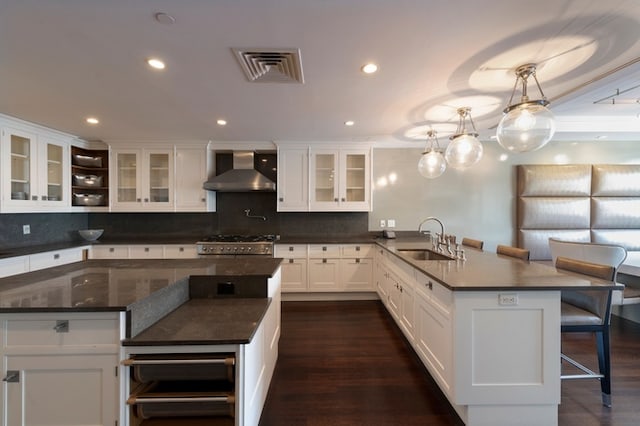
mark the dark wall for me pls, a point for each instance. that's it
(46, 228)
(230, 218)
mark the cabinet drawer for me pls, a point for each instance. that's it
(146, 252)
(14, 265)
(291, 251)
(110, 252)
(437, 294)
(180, 252)
(324, 250)
(58, 331)
(54, 258)
(357, 250)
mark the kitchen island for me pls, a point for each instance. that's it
(69, 327)
(486, 328)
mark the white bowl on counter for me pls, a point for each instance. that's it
(91, 234)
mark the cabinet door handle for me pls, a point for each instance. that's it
(146, 249)
(203, 199)
(13, 376)
(324, 248)
(357, 248)
(62, 326)
(429, 285)
(290, 260)
(344, 199)
(290, 248)
(138, 200)
(357, 260)
(146, 200)
(324, 260)
(281, 199)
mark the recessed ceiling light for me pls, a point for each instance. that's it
(156, 63)
(369, 68)
(349, 123)
(221, 122)
(92, 120)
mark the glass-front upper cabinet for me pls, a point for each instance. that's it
(143, 179)
(340, 180)
(35, 171)
(324, 169)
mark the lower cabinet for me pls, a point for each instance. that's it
(150, 251)
(326, 268)
(59, 368)
(61, 390)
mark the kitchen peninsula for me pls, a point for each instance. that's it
(71, 326)
(487, 328)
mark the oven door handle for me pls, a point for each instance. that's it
(133, 361)
(229, 399)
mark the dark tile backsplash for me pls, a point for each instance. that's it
(231, 218)
(46, 228)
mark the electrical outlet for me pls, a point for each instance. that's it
(509, 299)
(383, 223)
(26, 229)
(391, 223)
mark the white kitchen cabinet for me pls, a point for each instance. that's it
(142, 179)
(340, 179)
(35, 170)
(109, 252)
(293, 179)
(324, 263)
(59, 368)
(191, 173)
(14, 265)
(433, 336)
(356, 267)
(49, 259)
(146, 252)
(294, 266)
(180, 251)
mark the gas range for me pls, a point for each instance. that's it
(237, 245)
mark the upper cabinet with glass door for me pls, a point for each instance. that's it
(35, 169)
(340, 179)
(143, 180)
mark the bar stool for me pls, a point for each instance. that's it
(589, 311)
(470, 242)
(516, 252)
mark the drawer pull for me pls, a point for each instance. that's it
(429, 285)
(324, 260)
(111, 249)
(357, 248)
(290, 260)
(290, 248)
(146, 249)
(324, 248)
(62, 326)
(13, 376)
(357, 260)
(56, 256)
(181, 249)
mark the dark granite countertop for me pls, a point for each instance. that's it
(114, 285)
(487, 271)
(204, 322)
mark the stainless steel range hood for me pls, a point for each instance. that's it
(242, 178)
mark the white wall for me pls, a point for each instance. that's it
(478, 202)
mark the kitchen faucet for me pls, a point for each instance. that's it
(441, 239)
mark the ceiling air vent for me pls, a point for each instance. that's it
(271, 65)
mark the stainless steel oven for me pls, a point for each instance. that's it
(236, 245)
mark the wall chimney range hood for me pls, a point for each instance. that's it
(243, 177)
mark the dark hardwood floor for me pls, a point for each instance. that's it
(346, 363)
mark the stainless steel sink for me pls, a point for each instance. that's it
(423, 254)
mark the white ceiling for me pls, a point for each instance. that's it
(64, 60)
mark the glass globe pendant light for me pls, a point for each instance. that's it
(528, 125)
(432, 163)
(465, 149)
